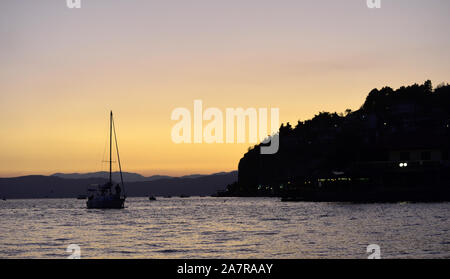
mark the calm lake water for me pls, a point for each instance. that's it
(223, 228)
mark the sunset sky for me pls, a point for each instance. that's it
(63, 69)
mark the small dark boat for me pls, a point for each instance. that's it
(81, 197)
(184, 196)
(152, 198)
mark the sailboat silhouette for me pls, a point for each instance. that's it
(104, 197)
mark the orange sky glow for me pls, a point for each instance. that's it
(64, 69)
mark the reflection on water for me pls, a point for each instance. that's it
(223, 228)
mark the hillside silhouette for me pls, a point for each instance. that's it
(389, 149)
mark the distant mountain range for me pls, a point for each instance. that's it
(127, 176)
(61, 185)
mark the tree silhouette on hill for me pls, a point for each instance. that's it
(415, 116)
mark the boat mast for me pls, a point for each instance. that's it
(110, 148)
(118, 157)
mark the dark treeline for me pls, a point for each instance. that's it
(410, 124)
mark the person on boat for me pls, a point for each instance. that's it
(118, 190)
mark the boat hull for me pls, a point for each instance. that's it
(105, 204)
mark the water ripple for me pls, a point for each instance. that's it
(211, 228)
